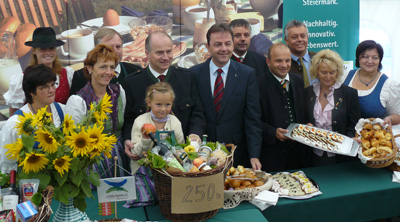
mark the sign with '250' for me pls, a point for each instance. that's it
(197, 194)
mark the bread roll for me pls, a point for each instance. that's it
(10, 24)
(368, 126)
(377, 127)
(24, 34)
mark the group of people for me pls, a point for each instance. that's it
(237, 96)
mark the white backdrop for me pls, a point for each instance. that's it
(379, 21)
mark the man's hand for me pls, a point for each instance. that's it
(255, 163)
(128, 146)
(279, 134)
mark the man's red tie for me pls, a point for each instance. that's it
(161, 77)
(239, 59)
(218, 90)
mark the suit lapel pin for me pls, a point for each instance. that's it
(235, 75)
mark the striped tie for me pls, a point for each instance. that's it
(218, 90)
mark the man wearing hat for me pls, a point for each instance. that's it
(112, 38)
(44, 51)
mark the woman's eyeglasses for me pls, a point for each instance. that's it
(46, 88)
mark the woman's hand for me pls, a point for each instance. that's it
(128, 152)
(357, 140)
(387, 120)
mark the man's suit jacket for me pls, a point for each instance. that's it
(187, 106)
(277, 155)
(239, 118)
(346, 113)
(255, 61)
(79, 80)
(298, 68)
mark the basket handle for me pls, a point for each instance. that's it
(397, 135)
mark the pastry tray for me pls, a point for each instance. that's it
(348, 147)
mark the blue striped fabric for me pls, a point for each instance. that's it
(145, 189)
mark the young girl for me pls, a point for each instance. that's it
(159, 98)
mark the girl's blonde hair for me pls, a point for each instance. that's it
(56, 63)
(329, 57)
(160, 87)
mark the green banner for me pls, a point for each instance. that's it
(332, 24)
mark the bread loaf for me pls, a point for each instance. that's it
(10, 24)
(24, 34)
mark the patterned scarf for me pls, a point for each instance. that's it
(89, 96)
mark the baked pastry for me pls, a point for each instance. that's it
(368, 126)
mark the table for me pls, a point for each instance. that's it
(93, 209)
(244, 212)
(351, 192)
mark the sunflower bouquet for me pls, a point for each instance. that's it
(62, 156)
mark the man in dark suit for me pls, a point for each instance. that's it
(187, 106)
(112, 38)
(296, 38)
(229, 94)
(281, 96)
(241, 40)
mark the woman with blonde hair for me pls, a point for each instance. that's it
(329, 104)
(44, 51)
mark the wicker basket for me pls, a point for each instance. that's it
(385, 161)
(162, 181)
(44, 210)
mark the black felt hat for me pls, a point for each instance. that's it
(44, 37)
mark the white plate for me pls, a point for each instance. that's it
(122, 28)
(306, 196)
(188, 61)
(348, 147)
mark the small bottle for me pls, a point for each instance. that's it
(11, 199)
(204, 140)
(204, 151)
(166, 153)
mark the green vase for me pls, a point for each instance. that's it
(67, 212)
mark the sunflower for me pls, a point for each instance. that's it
(42, 117)
(62, 164)
(80, 143)
(97, 118)
(24, 124)
(34, 162)
(108, 145)
(98, 138)
(14, 150)
(105, 105)
(46, 141)
(68, 125)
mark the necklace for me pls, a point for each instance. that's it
(367, 83)
(326, 95)
(33, 110)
